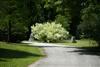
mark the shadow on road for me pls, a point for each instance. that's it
(87, 51)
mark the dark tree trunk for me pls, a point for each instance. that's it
(9, 31)
(73, 26)
(29, 31)
(30, 5)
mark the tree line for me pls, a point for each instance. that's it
(79, 17)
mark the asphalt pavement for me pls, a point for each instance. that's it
(66, 56)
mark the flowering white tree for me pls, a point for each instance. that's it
(49, 32)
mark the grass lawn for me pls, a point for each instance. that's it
(18, 55)
(82, 43)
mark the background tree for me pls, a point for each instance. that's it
(7, 9)
(73, 9)
(17, 17)
(90, 25)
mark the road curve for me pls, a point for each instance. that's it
(58, 56)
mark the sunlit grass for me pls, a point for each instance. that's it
(81, 43)
(18, 55)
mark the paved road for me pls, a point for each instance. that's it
(68, 57)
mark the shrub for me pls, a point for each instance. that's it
(49, 32)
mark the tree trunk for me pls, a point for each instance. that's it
(9, 31)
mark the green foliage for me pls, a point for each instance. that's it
(62, 20)
(19, 13)
(71, 9)
(49, 32)
(90, 25)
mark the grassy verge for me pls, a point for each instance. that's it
(18, 55)
(82, 43)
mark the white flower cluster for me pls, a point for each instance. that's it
(49, 32)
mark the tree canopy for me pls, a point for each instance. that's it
(17, 17)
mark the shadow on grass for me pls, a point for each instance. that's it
(87, 51)
(2, 60)
(10, 54)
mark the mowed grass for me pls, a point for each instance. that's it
(18, 55)
(82, 43)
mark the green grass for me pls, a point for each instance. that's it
(82, 43)
(18, 55)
